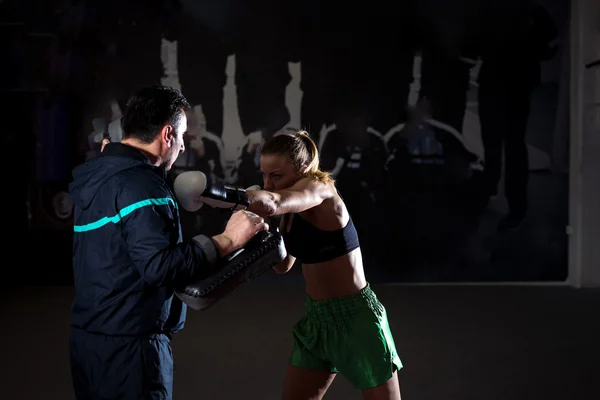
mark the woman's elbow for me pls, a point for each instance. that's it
(284, 266)
(280, 271)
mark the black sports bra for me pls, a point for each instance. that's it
(311, 245)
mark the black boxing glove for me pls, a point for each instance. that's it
(193, 189)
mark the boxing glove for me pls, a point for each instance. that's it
(193, 190)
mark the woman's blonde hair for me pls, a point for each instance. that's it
(301, 150)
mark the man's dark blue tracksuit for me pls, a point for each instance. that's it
(128, 256)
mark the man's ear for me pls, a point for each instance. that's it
(167, 135)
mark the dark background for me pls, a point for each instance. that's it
(361, 66)
(63, 62)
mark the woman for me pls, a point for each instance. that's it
(345, 328)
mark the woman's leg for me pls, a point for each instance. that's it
(364, 351)
(303, 384)
(390, 390)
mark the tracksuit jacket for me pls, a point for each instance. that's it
(128, 257)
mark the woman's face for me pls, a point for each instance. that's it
(278, 172)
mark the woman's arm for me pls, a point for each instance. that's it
(284, 266)
(288, 262)
(304, 195)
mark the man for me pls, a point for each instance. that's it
(128, 255)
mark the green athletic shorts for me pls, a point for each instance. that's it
(349, 335)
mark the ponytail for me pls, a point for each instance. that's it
(312, 165)
(301, 151)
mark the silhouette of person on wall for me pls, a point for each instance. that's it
(261, 65)
(510, 71)
(201, 60)
(135, 28)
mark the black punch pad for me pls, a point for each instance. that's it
(262, 252)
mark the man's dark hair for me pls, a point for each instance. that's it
(151, 108)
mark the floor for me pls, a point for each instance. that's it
(456, 342)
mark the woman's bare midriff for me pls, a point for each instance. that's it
(341, 276)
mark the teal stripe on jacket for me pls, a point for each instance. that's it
(123, 213)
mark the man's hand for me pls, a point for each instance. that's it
(261, 202)
(241, 227)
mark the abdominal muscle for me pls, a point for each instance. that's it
(341, 276)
